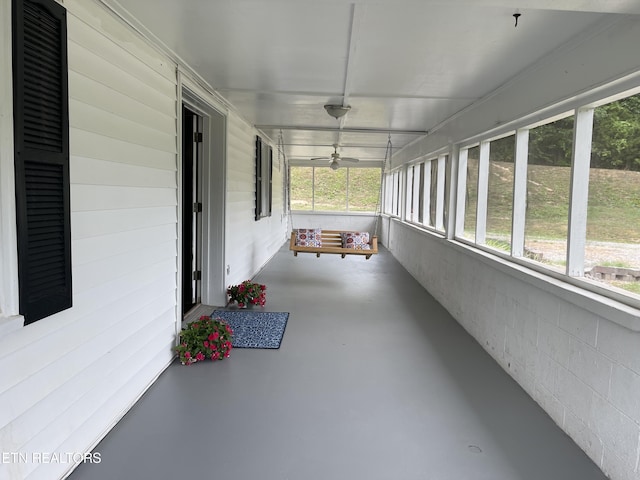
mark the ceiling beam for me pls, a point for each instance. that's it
(329, 95)
(356, 20)
(347, 145)
(344, 130)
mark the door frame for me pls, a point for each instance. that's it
(192, 154)
(213, 188)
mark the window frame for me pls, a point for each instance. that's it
(348, 191)
(425, 189)
(10, 318)
(573, 274)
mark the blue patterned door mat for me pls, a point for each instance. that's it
(253, 329)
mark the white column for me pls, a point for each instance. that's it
(403, 192)
(386, 205)
(461, 192)
(416, 193)
(440, 192)
(450, 200)
(426, 194)
(483, 192)
(408, 193)
(519, 192)
(579, 200)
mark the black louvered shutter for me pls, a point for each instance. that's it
(41, 137)
(270, 181)
(259, 186)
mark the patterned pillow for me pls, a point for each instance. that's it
(356, 240)
(309, 237)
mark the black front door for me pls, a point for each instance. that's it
(191, 208)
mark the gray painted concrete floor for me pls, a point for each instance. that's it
(374, 380)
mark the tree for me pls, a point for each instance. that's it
(616, 135)
(551, 144)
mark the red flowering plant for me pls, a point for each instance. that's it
(247, 293)
(203, 339)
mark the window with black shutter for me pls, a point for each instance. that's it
(41, 139)
(258, 202)
(264, 173)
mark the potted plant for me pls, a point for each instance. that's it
(247, 293)
(206, 338)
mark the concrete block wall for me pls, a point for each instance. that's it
(582, 368)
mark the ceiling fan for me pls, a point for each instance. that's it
(335, 157)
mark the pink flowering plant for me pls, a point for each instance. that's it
(204, 339)
(247, 293)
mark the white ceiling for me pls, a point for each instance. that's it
(404, 66)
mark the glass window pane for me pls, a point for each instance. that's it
(330, 192)
(301, 188)
(500, 194)
(364, 189)
(471, 198)
(612, 252)
(548, 187)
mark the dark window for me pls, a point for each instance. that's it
(264, 174)
(41, 138)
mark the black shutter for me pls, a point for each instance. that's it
(258, 178)
(41, 138)
(270, 181)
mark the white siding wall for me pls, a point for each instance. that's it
(66, 379)
(249, 244)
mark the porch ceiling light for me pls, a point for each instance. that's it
(337, 111)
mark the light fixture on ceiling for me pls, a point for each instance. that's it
(334, 165)
(337, 111)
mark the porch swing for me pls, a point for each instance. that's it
(339, 242)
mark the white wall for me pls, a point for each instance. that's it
(582, 367)
(576, 354)
(67, 379)
(250, 243)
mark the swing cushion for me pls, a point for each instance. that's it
(356, 240)
(309, 237)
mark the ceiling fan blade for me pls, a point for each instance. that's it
(320, 158)
(349, 159)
